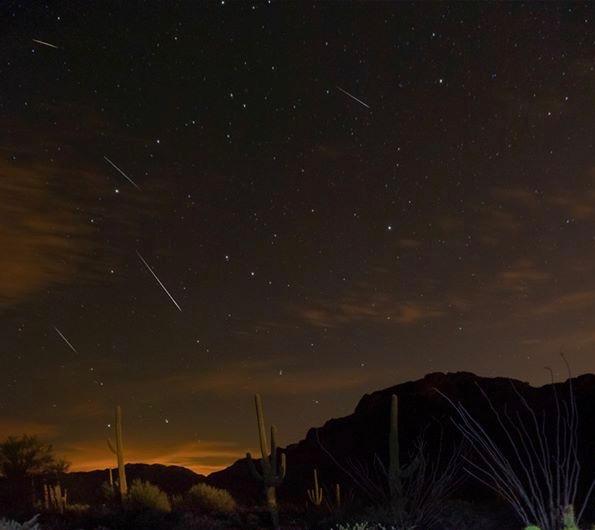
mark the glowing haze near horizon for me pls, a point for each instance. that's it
(339, 197)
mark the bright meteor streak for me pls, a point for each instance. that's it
(45, 43)
(65, 339)
(158, 281)
(353, 97)
(121, 172)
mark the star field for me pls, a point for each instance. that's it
(312, 201)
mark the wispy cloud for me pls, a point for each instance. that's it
(42, 237)
(576, 301)
(17, 427)
(520, 276)
(359, 307)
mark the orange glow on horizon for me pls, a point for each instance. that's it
(201, 457)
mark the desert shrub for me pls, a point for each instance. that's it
(208, 499)
(464, 515)
(108, 492)
(144, 496)
(31, 524)
(77, 508)
(362, 526)
(200, 522)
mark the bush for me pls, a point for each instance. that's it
(191, 521)
(144, 496)
(463, 515)
(359, 526)
(208, 499)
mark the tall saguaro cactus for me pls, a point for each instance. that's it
(396, 473)
(394, 464)
(118, 450)
(273, 472)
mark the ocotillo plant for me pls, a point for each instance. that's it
(315, 495)
(273, 473)
(118, 450)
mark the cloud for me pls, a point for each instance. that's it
(409, 243)
(17, 427)
(520, 276)
(377, 308)
(54, 217)
(263, 376)
(576, 301)
(42, 238)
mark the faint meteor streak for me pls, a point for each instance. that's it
(353, 97)
(158, 281)
(121, 172)
(45, 43)
(65, 340)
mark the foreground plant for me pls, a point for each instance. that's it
(118, 450)
(55, 498)
(567, 520)
(144, 496)
(209, 499)
(273, 471)
(411, 495)
(537, 471)
(31, 524)
(315, 495)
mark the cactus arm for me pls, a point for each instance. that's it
(118, 450)
(273, 458)
(262, 435)
(252, 468)
(282, 467)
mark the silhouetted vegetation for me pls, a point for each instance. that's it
(533, 464)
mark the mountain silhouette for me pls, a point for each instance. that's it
(362, 436)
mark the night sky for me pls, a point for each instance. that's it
(340, 197)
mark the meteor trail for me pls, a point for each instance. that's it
(121, 172)
(159, 281)
(65, 339)
(353, 97)
(45, 43)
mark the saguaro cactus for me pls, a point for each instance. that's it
(394, 478)
(315, 495)
(54, 497)
(396, 473)
(273, 472)
(118, 450)
(338, 496)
